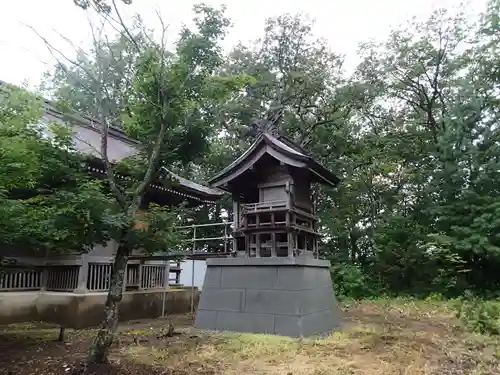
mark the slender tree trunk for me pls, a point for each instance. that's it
(98, 351)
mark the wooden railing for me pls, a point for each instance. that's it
(62, 278)
(263, 206)
(153, 276)
(19, 280)
(98, 277)
(65, 278)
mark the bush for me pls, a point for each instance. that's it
(435, 297)
(349, 281)
(477, 315)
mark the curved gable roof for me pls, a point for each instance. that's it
(282, 149)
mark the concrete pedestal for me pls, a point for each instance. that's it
(285, 296)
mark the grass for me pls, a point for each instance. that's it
(381, 337)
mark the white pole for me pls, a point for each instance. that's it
(166, 271)
(192, 270)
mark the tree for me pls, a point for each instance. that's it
(413, 133)
(430, 123)
(102, 6)
(48, 203)
(167, 94)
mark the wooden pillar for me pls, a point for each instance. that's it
(291, 245)
(140, 275)
(289, 188)
(257, 244)
(45, 278)
(125, 278)
(236, 213)
(273, 244)
(177, 274)
(235, 244)
(45, 272)
(83, 273)
(315, 247)
(247, 244)
(226, 235)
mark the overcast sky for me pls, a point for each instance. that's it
(344, 23)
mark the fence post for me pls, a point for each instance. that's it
(166, 271)
(45, 278)
(83, 272)
(193, 270)
(125, 279)
(139, 275)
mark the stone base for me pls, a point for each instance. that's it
(285, 296)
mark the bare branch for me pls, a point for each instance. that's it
(52, 50)
(163, 126)
(95, 149)
(125, 28)
(103, 119)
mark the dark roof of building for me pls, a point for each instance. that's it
(120, 147)
(87, 138)
(282, 149)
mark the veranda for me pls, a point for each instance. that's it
(70, 289)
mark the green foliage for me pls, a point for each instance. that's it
(156, 230)
(413, 133)
(70, 220)
(478, 315)
(46, 198)
(100, 5)
(18, 137)
(350, 281)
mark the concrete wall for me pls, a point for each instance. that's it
(285, 296)
(87, 310)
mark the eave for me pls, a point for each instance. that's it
(181, 187)
(121, 146)
(281, 149)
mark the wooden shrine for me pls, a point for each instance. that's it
(274, 210)
(275, 282)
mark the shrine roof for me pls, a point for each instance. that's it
(282, 149)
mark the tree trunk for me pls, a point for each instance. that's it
(98, 351)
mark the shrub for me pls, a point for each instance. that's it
(477, 315)
(350, 281)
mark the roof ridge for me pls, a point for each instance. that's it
(293, 144)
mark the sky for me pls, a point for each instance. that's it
(343, 23)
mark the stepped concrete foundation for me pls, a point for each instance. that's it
(284, 296)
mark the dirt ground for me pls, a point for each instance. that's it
(380, 338)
